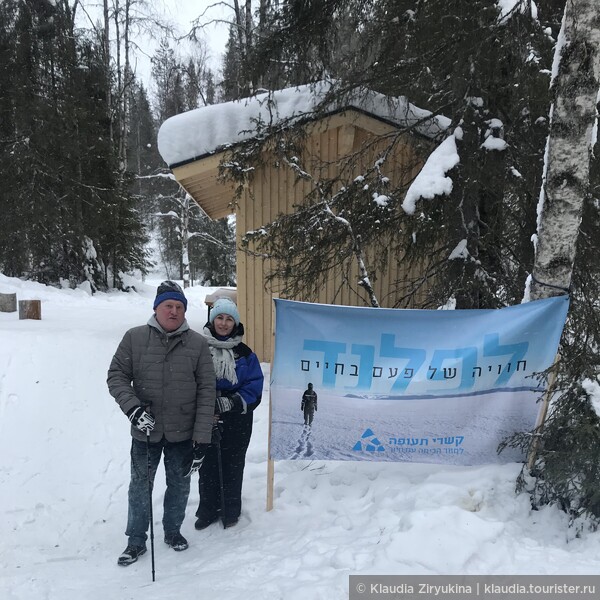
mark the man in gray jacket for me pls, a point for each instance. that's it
(162, 377)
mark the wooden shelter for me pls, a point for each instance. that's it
(332, 137)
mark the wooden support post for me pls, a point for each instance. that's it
(542, 416)
(8, 303)
(270, 462)
(30, 309)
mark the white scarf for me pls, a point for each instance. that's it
(222, 355)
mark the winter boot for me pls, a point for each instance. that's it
(176, 541)
(230, 522)
(203, 521)
(130, 555)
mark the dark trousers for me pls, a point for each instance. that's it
(236, 433)
(309, 413)
(177, 460)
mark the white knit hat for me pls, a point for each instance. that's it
(224, 306)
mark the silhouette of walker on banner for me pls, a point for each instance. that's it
(309, 405)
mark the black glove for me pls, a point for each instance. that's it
(302, 406)
(232, 403)
(198, 458)
(141, 419)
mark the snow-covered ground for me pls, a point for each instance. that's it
(64, 471)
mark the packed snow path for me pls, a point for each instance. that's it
(304, 449)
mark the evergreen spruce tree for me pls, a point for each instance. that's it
(232, 86)
(213, 253)
(13, 139)
(489, 73)
(185, 236)
(58, 135)
(210, 87)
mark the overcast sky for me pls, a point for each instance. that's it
(180, 13)
(184, 12)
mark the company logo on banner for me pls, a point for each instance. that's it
(354, 383)
(369, 443)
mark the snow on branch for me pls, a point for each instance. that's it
(432, 180)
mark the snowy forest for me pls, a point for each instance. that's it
(85, 187)
(84, 190)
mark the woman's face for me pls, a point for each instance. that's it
(223, 325)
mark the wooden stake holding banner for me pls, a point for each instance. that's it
(270, 461)
(270, 466)
(542, 416)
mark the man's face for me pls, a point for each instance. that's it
(170, 314)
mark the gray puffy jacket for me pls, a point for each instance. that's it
(172, 375)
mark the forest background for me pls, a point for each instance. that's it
(85, 194)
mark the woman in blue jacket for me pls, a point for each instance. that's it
(239, 390)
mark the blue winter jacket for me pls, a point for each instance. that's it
(250, 377)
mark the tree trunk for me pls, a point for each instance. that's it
(125, 90)
(185, 240)
(106, 57)
(568, 153)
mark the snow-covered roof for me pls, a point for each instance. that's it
(197, 133)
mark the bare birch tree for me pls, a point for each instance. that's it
(565, 469)
(569, 147)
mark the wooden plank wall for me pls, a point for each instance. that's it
(275, 191)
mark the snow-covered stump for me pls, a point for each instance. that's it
(30, 309)
(8, 303)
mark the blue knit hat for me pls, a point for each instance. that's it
(169, 290)
(224, 306)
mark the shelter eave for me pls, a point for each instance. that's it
(199, 176)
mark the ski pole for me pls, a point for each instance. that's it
(220, 468)
(150, 503)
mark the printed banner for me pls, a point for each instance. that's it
(436, 386)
